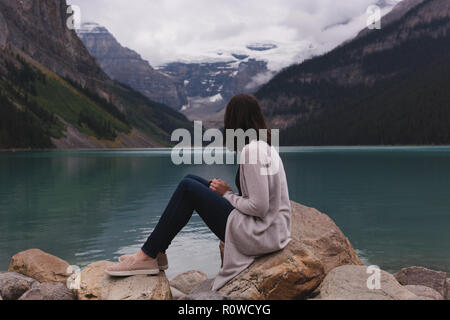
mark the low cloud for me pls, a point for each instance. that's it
(169, 30)
(259, 80)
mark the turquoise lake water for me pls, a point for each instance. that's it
(83, 206)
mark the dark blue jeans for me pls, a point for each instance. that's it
(193, 194)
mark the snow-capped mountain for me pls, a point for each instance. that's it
(212, 79)
(203, 82)
(191, 86)
(209, 85)
(217, 80)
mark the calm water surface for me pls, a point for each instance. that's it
(84, 206)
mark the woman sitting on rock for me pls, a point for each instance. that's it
(252, 223)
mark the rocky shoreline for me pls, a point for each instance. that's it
(320, 263)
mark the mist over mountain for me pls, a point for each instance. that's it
(185, 31)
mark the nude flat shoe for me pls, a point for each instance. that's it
(132, 267)
(163, 262)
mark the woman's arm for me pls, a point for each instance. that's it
(257, 202)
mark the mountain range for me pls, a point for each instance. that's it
(65, 89)
(53, 93)
(200, 86)
(385, 87)
(198, 89)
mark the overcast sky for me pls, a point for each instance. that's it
(168, 30)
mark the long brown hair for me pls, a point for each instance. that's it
(244, 112)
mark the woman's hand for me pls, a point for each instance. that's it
(219, 186)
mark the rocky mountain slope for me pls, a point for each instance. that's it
(387, 87)
(54, 94)
(127, 66)
(210, 85)
(38, 28)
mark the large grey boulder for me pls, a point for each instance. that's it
(14, 285)
(351, 283)
(317, 247)
(203, 292)
(205, 296)
(96, 285)
(425, 293)
(423, 277)
(40, 265)
(48, 291)
(187, 281)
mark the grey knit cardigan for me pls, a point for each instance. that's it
(261, 221)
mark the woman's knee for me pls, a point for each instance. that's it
(186, 183)
(191, 184)
(198, 179)
(191, 176)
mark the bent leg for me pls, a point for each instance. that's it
(191, 194)
(199, 179)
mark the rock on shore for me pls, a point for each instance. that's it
(41, 266)
(436, 280)
(424, 293)
(350, 283)
(184, 283)
(317, 247)
(96, 285)
(48, 291)
(14, 285)
(41, 276)
(90, 278)
(203, 292)
(318, 260)
(318, 233)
